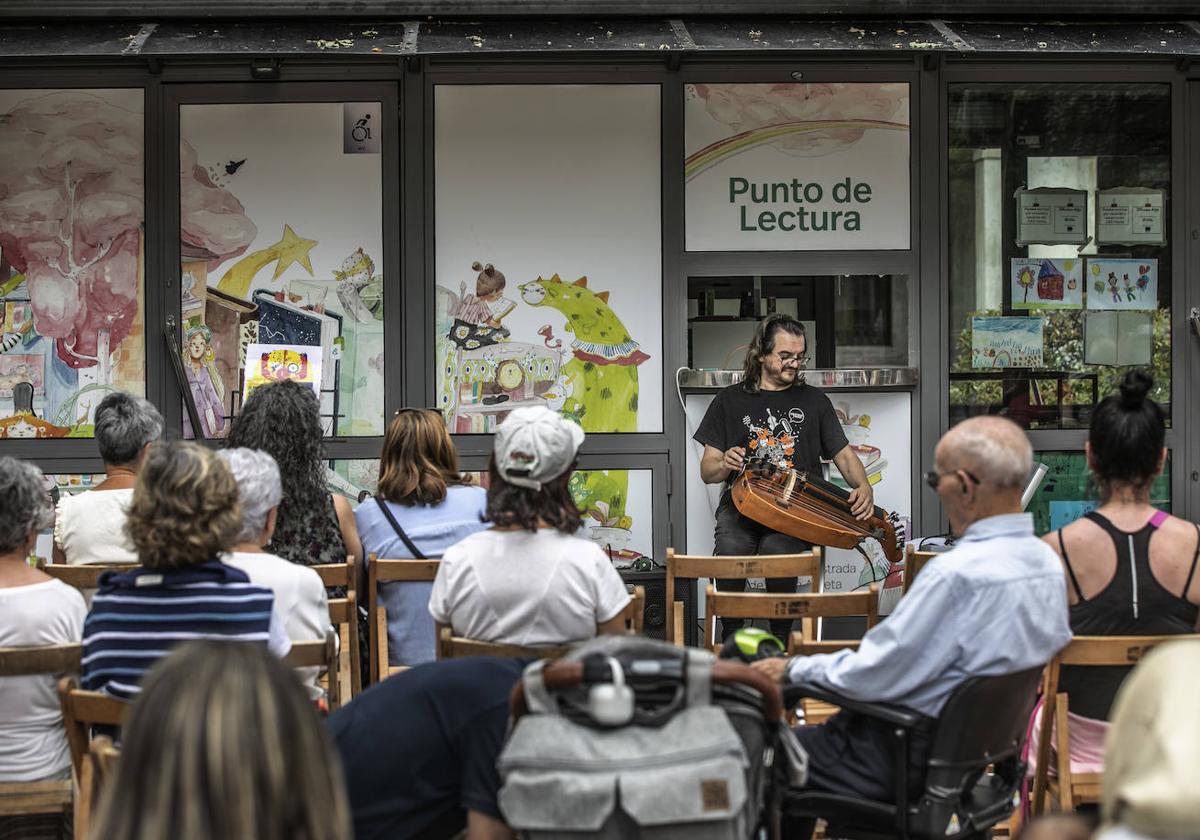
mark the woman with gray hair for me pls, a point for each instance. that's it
(35, 610)
(301, 602)
(90, 527)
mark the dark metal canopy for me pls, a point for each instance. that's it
(400, 9)
(680, 37)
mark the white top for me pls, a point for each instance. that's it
(301, 603)
(33, 744)
(90, 527)
(521, 588)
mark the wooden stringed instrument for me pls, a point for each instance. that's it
(809, 508)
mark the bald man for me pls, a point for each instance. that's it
(994, 604)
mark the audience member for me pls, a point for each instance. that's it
(313, 526)
(528, 580)
(300, 597)
(423, 506)
(90, 527)
(35, 610)
(1131, 568)
(994, 604)
(431, 771)
(183, 516)
(1151, 788)
(223, 744)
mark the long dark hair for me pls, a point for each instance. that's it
(509, 505)
(764, 342)
(283, 419)
(1127, 435)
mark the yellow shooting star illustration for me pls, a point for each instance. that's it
(290, 249)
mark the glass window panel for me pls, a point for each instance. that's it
(856, 320)
(1072, 353)
(1068, 491)
(72, 216)
(281, 236)
(558, 187)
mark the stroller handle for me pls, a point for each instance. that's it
(563, 674)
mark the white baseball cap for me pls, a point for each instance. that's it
(535, 445)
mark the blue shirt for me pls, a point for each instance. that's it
(994, 604)
(433, 529)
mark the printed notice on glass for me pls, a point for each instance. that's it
(1051, 216)
(1130, 216)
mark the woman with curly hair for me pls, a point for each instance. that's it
(183, 516)
(313, 526)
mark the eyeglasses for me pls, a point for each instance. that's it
(399, 411)
(933, 478)
(788, 358)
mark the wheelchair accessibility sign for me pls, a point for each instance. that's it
(361, 128)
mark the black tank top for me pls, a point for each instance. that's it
(1133, 604)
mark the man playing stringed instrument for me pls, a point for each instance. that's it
(773, 416)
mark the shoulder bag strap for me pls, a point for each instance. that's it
(412, 548)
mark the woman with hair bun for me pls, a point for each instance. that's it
(1130, 568)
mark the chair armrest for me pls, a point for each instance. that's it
(899, 716)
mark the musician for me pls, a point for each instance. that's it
(773, 415)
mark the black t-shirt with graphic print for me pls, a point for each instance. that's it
(794, 428)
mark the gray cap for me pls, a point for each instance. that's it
(535, 445)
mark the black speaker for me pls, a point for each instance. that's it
(656, 614)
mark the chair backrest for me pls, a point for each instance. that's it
(336, 574)
(985, 719)
(47, 659)
(635, 611)
(319, 653)
(800, 645)
(343, 613)
(456, 647)
(81, 710)
(99, 766)
(388, 571)
(800, 605)
(914, 561)
(696, 566)
(84, 577)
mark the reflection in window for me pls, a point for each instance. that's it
(72, 217)
(850, 320)
(1041, 332)
(1068, 491)
(281, 239)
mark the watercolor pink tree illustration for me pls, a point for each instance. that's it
(71, 209)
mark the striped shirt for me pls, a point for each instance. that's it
(138, 616)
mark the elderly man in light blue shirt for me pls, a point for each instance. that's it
(995, 604)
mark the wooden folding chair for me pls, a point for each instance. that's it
(456, 647)
(343, 613)
(693, 567)
(914, 561)
(84, 577)
(778, 606)
(389, 571)
(99, 766)
(319, 653)
(635, 612)
(81, 710)
(31, 798)
(801, 643)
(1071, 789)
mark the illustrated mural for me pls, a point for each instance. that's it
(71, 256)
(285, 216)
(535, 305)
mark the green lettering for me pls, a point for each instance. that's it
(737, 186)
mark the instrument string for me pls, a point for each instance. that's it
(810, 504)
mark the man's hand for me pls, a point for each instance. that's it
(735, 457)
(775, 668)
(862, 497)
(862, 501)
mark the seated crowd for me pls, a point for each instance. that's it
(222, 741)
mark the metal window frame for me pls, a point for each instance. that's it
(957, 71)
